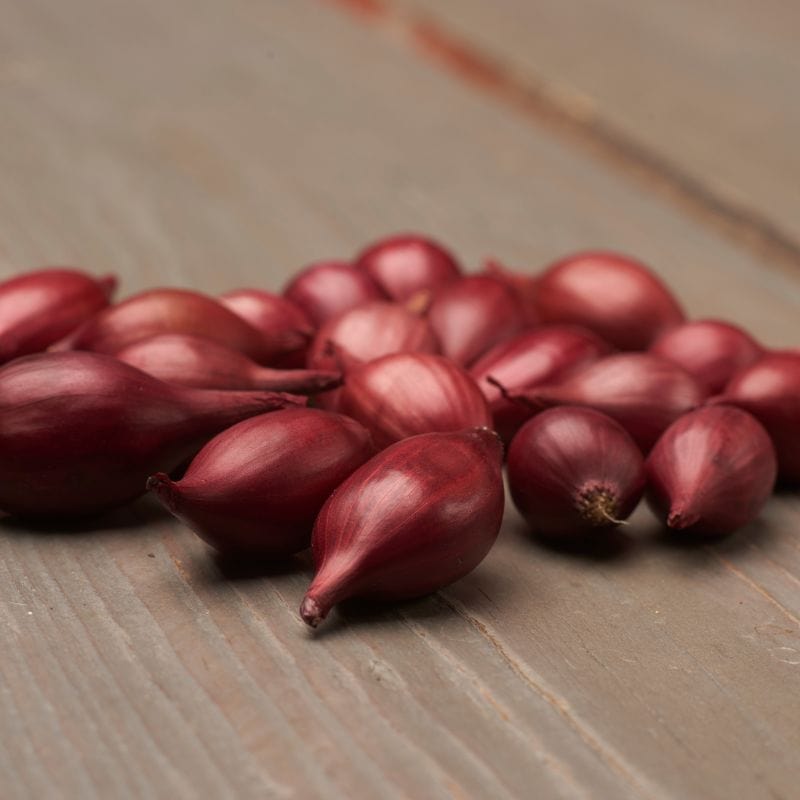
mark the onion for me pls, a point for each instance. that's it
(403, 265)
(644, 393)
(328, 288)
(257, 487)
(205, 364)
(710, 350)
(418, 516)
(617, 297)
(404, 394)
(711, 472)
(524, 286)
(80, 432)
(39, 308)
(472, 314)
(530, 359)
(160, 311)
(770, 391)
(574, 472)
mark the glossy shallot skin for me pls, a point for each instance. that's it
(418, 516)
(256, 488)
(38, 308)
(80, 432)
(205, 364)
(711, 472)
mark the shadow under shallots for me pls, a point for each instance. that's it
(700, 549)
(241, 568)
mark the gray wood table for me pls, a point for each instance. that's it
(217, 145)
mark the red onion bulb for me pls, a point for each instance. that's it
(39, 308)
(524, 286)
(404, 394)
(80, 432)
(258, 486)
(530, 359)
(473, 314)
(617, 297)
(710, 350)
(573, 471)
(403, 265)
(418, 516)
(206, 364)
(711, 472)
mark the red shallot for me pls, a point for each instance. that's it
(617, 297)
(418, 516)
(472, 314)
(710, 350)
(403, 265)
(80, 432)
(532, 358)
(257, 487)
(524, 286)
(328, 288)
(206, 364)
(404, 394)
(573, 471)
(39, 308)
(770, 391)
(712, 471)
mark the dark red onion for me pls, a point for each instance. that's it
(403, 265)
(404, 394)
(613, 295)
(39, 308)
(418, 516)
(80, 432)
(206, 364)
(257, 487)
(524, 286)
(644, 393)
(711, 472)
(368, 332)
(574, 472)
(160, 311)
(328, 288)
(530, 359)
(770, 391)
(710, 350)
(473, 314)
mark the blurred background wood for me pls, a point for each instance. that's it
(218, 145)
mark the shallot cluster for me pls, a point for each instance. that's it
(364, 412)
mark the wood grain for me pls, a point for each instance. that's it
(215, 146)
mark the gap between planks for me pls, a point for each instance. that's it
(577, 119)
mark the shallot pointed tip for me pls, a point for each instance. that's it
(158, 482)
(312, 612)
(679, 520)
(108, 284)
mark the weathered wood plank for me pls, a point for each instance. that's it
(190, 143)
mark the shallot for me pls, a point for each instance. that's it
(712, 471)
(418, 516)
(257, 487)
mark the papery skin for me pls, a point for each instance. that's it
(368, 332)
(80, 432)
(471, 315)
(523, 285)
(205, 364)
(644, 393)
(617, 297)
(711, 472)
(418, 516)
(573, 471)
(256, 488)
(158, 311)
(405, 264)
(770, 390)
(404, 394)
(710, 350)
(529, 359)
(273, 315)
(328, 288)
(38, 308)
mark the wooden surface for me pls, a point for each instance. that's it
(216, 145)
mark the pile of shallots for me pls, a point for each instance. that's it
(363, 410)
